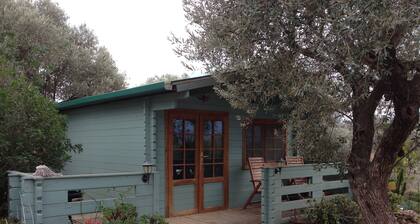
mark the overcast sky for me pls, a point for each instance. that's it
(135, 32)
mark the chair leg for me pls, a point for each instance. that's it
(249, 200)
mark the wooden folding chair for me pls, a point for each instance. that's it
(296, 161)
(255, 165)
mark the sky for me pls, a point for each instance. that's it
(135, 32)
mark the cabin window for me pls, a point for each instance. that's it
(264, 138)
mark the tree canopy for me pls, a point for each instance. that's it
(63, 61)
(318, 61)
(165, 78)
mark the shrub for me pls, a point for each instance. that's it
(8, 221)
(395, 200)
(339, 209)
(152, 219)
(121, 213)
(32, 132)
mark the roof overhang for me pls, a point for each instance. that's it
(140, 91)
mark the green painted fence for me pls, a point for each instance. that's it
(281, 201)
(39, 200)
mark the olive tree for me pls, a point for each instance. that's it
(315, 60)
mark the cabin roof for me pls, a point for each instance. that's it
(139, 91)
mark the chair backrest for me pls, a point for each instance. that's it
(294, 160)
(255, 164)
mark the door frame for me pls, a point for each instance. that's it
(199, 179)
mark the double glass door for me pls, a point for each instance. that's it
(196, 161)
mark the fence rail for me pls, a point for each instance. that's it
(280, 200)
(45, 200)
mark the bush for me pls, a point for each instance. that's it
(8, 221)
(395, 200)
(152, 219)
(32, 132)
(122, 213)
(338, 210)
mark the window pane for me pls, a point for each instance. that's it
(177, 126)
(178, 156)
(218, 156)
(189, 141)
(207, 127)
(189, 156)
(207, 141)
(178, 142)
(178, 172)
(218, 127)
(208, 156)
(218, 170)
(189, 127)
(258, 142)
(208, 170)
(218, 141)
(189, 172)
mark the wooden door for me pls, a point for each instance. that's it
(213, 169)
(196, 161)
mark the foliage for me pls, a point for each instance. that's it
(121, 213)
(8, 221)
(32, 132)
(316, 63)
(395, 200)
(63, 61)
(152, 219)
(165, 78)
(339, 209)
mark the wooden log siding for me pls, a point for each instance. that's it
(273, 208)
(45, 200)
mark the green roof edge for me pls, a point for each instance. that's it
(113, 96)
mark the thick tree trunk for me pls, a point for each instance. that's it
(371, 193)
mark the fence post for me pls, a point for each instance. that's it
(267, 197)
(317, 179)
(38, 189)
(14, 190)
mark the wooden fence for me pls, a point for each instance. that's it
(281, 200)
(38, 200)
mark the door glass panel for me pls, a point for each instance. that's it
(178, 172)
(189, 156)
(208, 170)
(218, 156)
(177, 126)
(178, 141)
(218, 170)
(189, 141)
(218, 127)
(178, 156)
(189, 127)
(207, 141)
(218, 141)
(207, 156)
(189, 172)
(208, 127)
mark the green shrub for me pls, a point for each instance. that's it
(152, 219)
(32, 132)
(8, 221)
(337, 210)
(395, 200)
(121, 213)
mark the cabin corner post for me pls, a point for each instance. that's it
(38, 189)
(27, 201)
(156, 199)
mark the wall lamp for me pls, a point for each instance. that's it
(147, 170)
